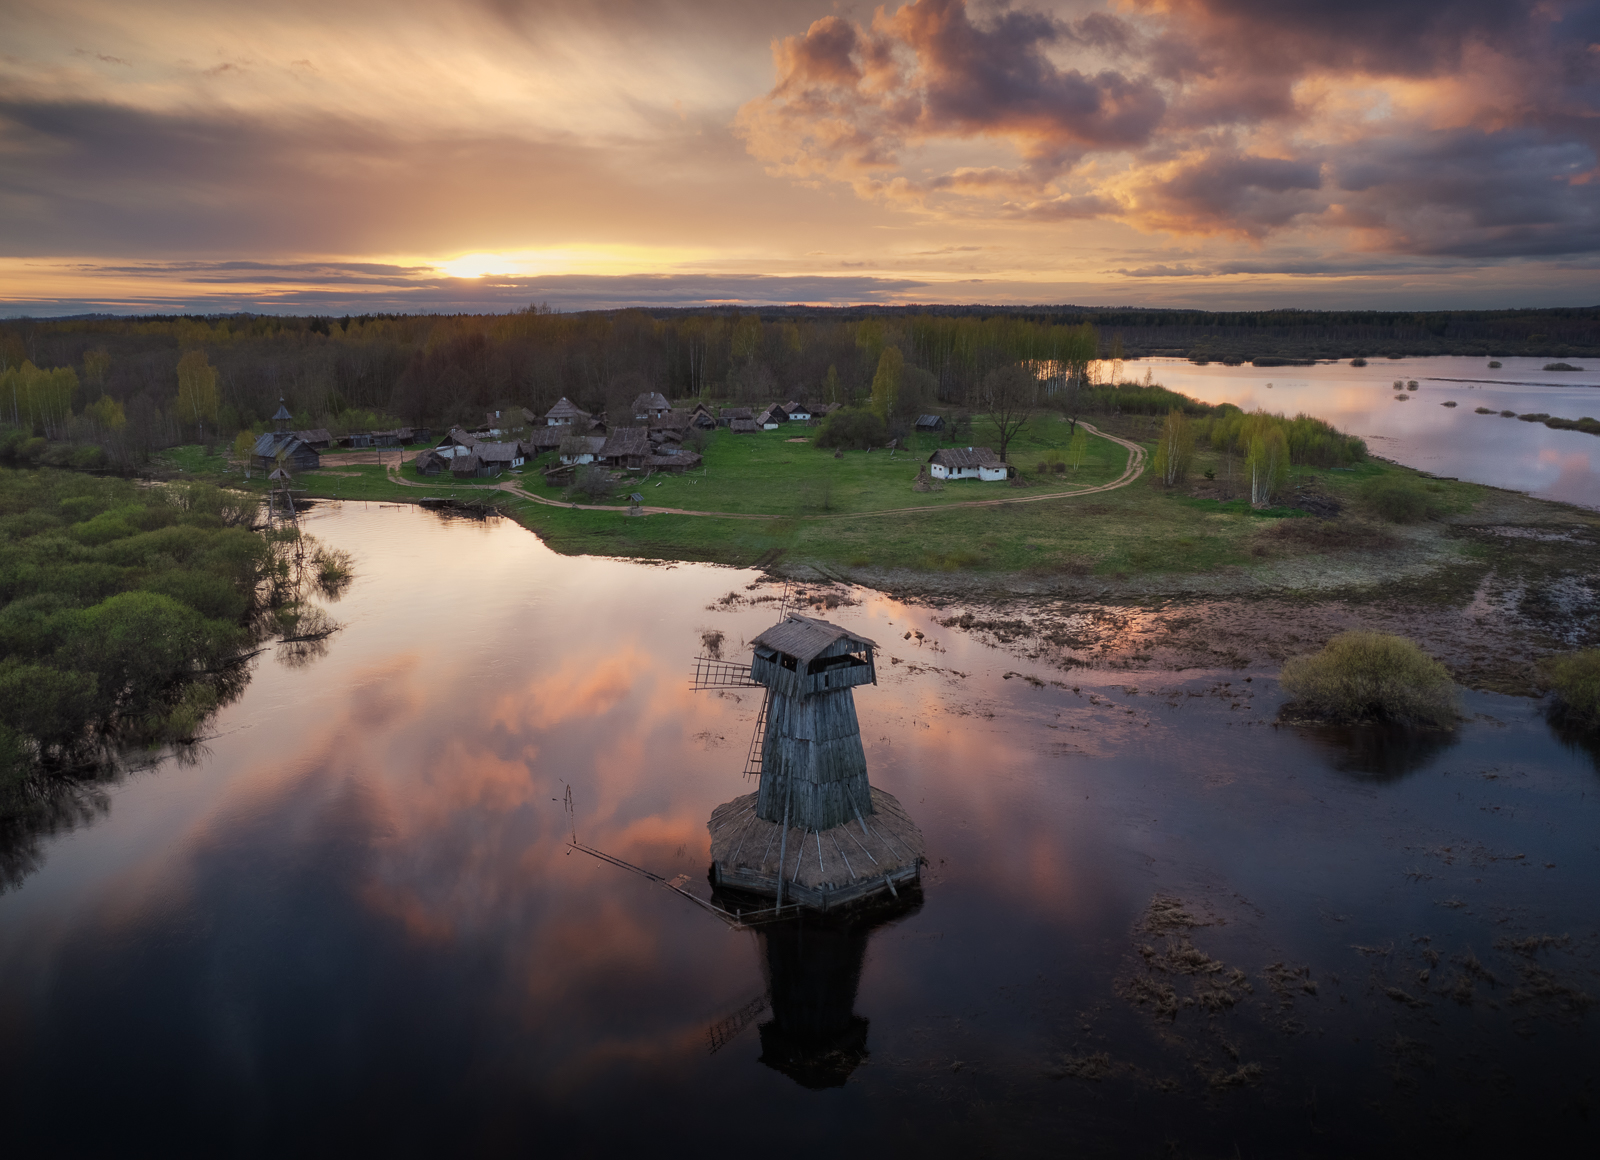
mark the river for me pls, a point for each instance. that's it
(1153, 921)
(1421, 432)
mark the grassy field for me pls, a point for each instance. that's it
(823, 509)
(770, 473)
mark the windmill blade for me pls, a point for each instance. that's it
(724, 1031)
(710, 673)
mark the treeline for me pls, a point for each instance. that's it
(136, 385)
(132, 386)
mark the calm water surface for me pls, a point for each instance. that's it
(1422, 433)
(355, 923)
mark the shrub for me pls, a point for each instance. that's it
(1494, 366)
(1575, 678)
(1399, 500)
(1484, 411)
(1561, 366)
(1372, 676)
(852, 428)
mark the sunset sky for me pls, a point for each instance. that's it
(328, 157)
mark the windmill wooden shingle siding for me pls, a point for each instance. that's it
(816, 832)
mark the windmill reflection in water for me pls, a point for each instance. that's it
(822, 855)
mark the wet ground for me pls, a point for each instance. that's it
(1155, 921)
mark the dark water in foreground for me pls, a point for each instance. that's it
(355, 926)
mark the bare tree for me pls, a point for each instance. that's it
(1008, 395)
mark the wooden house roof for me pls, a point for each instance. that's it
(737, 413)
(930, 421)
(651, 401)
(459, 438)
(315, 435)
(566, 411)
(773, 414)
(743, 426)
(965, 457)
(282, 415)
(544, 438)
(467, 464)
(583, 444)
(683, 460)
(805, 637)
(429, 459)
(625, 441)
(497, 452)
(270, 444)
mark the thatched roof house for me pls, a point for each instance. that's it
(798, 412)
(544, 438)
(430, 462)
(744, 426)
(626, 447)
(930, 422)
(773, 417)
(317, 438)
(651, 405)
(470, 466)
(729, 415)
(967, 463)
(503, 456)
(580, 449)
(297, 454)
(565, 411)
(676, 461)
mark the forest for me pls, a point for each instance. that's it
(85, 391)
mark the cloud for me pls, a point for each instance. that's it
(1400, 126)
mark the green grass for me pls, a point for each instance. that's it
(766, 473)
(194, 460)
(821, 505)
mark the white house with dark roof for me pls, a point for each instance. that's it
(565, 411)
(967, 463)
(651, 405)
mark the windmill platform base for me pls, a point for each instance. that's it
(879, 854)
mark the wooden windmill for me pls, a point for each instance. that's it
(816, 833)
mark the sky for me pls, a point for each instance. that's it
(333, 157)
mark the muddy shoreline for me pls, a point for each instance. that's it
(1489, 593)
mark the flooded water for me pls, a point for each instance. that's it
(1152, 922)
(1422, 432)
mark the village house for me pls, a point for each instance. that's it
(577, 450)
(729, 415)
(772, 418)
(295, 452)
(501, 456)
(798, 412)
(430, 462)
(626, 447)
(673, 459)
(565, 411)
(457, 442)
(967, 463)
(744, 426)
(469, 466)
(931, 423)
(650, 406)
(318, 438)
(356, 440)
(397, 437)
(700, 416)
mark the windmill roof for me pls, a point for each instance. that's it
(805, 637)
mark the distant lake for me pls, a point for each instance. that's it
(1421, 433)
(1153, 921)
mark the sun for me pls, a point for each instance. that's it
(476, 265)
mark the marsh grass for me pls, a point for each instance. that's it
(1401, 499)
(1372, 676)
(1575, 679)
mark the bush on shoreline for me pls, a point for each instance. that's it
(1575, 679)
(1399, 500)
(1372, 676)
